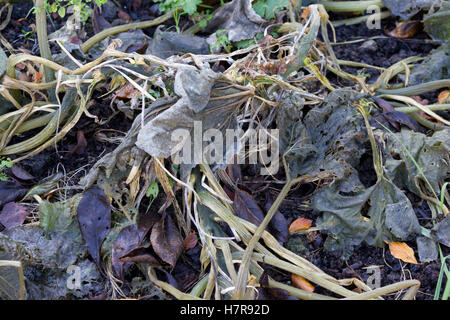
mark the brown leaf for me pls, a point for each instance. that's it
(127, 91)
(166, 240)
(80, 146)
(94, 217)
(405, 30)
(140, 255)
(301, 283)
(395, 117)
(402, 251)
(127, 239)
(123, 15)
(145, 223)
(190, 241)
(247, 208)
(300, 224)
(13, 215)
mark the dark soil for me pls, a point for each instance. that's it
(388, 51)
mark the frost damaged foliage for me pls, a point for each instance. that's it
(432, 154)
(47, 251)
(333, 137)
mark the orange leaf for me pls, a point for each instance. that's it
(444, 96)
(301, 283)
(300, 224)
(402, 251)
(405, 30)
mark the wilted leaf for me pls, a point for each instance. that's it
(127, 239)
(13, 215)
(94, 217)
(441, 231)
(300, 224)
(58, 216)
(302, 283)
(247, 208)
(404, 119)
(381, 212)
(402, 251)
(190, 241)
(99, 23)
(166, 240)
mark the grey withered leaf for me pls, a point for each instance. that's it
(94, 217)
(166, 240)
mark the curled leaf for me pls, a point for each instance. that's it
(301, 283)
(402, 251)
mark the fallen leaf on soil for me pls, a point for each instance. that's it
(402, 251)
(190, 241)
(166, 240)
(145, 223)
(94, 217)
(13, 215)
(301, 283)
(405, 30)
(300, 224)
(444, 97)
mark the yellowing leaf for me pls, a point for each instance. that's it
(301, 283)
(402, 251)
(300, 224)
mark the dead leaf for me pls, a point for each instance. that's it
(190, 241)
(300, 224)
(99, 23)
(402, 251)
(80, 146)
(278, 226)
(405, 30)
(444, 97)
(166, 240)
(123, 15)
(247, 208)
(145, 223)
(127, 91)
(301, 283)
(140, 255)
(127, 239)
(94, 217)
(13, 215)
